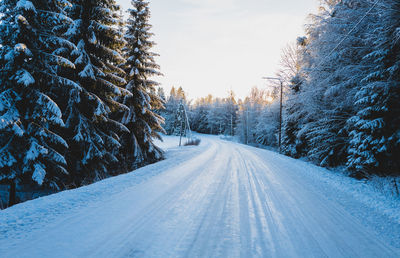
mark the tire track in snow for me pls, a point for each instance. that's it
(152, 213)
(328, 229)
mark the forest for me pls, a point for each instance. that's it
(77, 97)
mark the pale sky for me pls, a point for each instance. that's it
(212, 46)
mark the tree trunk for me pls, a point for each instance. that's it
(12, 194)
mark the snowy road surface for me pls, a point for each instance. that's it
(220, 199)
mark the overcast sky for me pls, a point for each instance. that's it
(212, 46)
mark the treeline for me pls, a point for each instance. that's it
(207, 115)
(253, 120)
(258, 118)
(76, 95)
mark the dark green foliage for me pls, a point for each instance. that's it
(62, 82)
(31, 149)
(92, 134)
(375, 144)
(140, 118)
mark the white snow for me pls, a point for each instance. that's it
(24, 77)
(35, 151)
(53, 110)
(87, 72)
(39, 174)
(25, 5)
(219, 199)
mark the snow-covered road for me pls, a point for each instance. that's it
(220, 199)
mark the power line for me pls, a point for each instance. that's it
(351, 31)
(345, 37)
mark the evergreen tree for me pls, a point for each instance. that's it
(243, 130)
(333, 79)
(214, 117)
(92, 134)
(144, 124)
(296, 61)
(177, 98)
(31, 150)
(230, 114)
(199, 113)
(170, 113)
(375, 138)
(160, 109)
(292, 144)
(161, 96)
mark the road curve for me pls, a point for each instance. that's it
(228, 200)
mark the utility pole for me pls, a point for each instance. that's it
(280, 110)
(187, 126)
(280, 119)
(231, 124)
(247, 125)
(180, 112)
(181, 134)
(184, 119)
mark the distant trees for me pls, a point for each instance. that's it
(258, 118)
(206, 115)
(171, 111)
(77, 98)
(215, 115)
(253, 121)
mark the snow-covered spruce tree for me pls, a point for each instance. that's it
(144, 124)
(30, 148)
(161, 95)
(375, 138)
(333, 79)
(93, 136)
(170, 112)
(180, 102)
(294, 60)
(215, 117)
(292, 144)
(200, 110)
